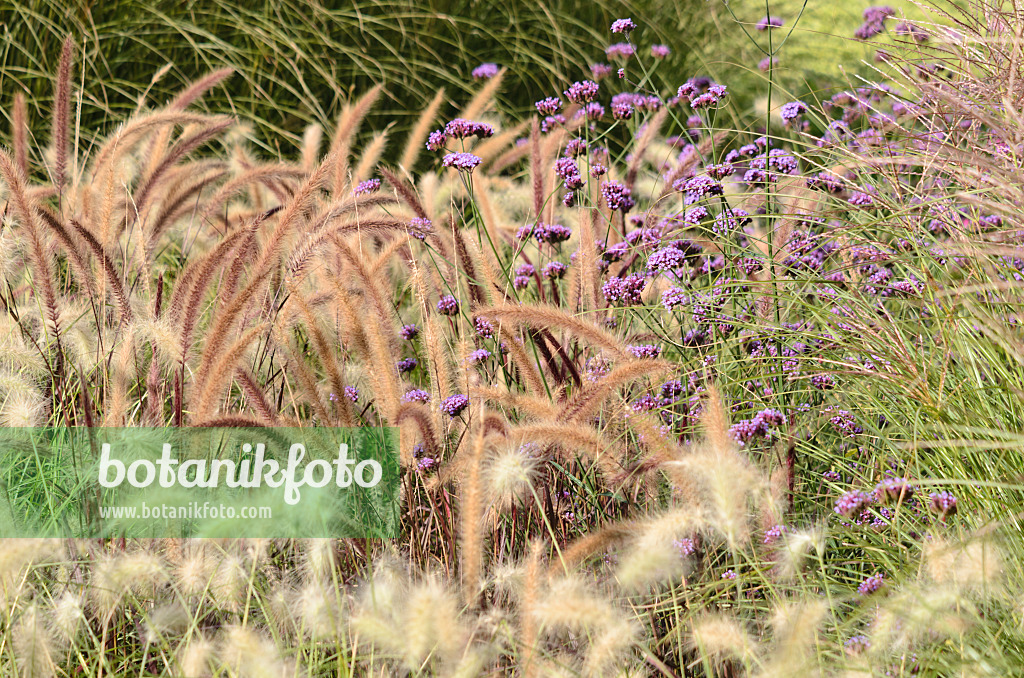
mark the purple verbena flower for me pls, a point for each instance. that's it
(942, 503)
(448, 305)
(549, 106)
(617, 196)
(464, 162)
(483, 327)
(352, 393)
(851, 503)
(769, 22)
(454, 405)
(660, 51)
(416, 395)
(485, 71)
(871, 584)
(623, 26)
(368, 186)
(792, 111)
(407, 365)
(626, 291)
(645, 351)
(554, 269)
(673, 298)
(409, 332)
(620, 50)
(436, 140)
(419, 227)
(479, 355)
(598, 71)
(582, 92)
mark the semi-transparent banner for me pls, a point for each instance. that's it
(199, 482)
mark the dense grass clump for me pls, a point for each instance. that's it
(677, 396)
(297, 63)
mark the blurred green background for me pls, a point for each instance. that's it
(298, 62)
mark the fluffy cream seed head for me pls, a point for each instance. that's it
(34, 645)
(195, 658)
(720, 638)
(67, 615)
(653, 556)
(509, 473)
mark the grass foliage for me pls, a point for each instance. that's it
(678, 396)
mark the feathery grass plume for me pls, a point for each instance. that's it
(591, 397)
(529, 627)
(589, 545)
(537, 173)
(23, 403)
(166, 621)
(484, 99)
(61, 114)
(19, 133)
(114, 576)
(719, 639)
(726, 481)
(653, 556)
(341, 144)
(472, 512)
(195, 657)
(193, 574)
(316, 608)
(418, 414)
(413, 621)
(111, 275)
(17, 556)
(319, 234)
(230, 583)
(67, 616)
(418, 134)
(609, 646)
(370, 156)
(536, 407)
(318, 559)
(546, 317)
(570, 603)
(794, 548)
(405, 191)
(222, 372)
(310, 149)
(121, 373)
(796, 626)
(639, 150)
(228, 312)
(572, 440)
(589, 277)
(527, 369)
(263, 174)
(34, 645)
(328, 360)
(247, 654)
(972, 567)
(38, 252)
(510, 473)
(256, 396)
(437, 364)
